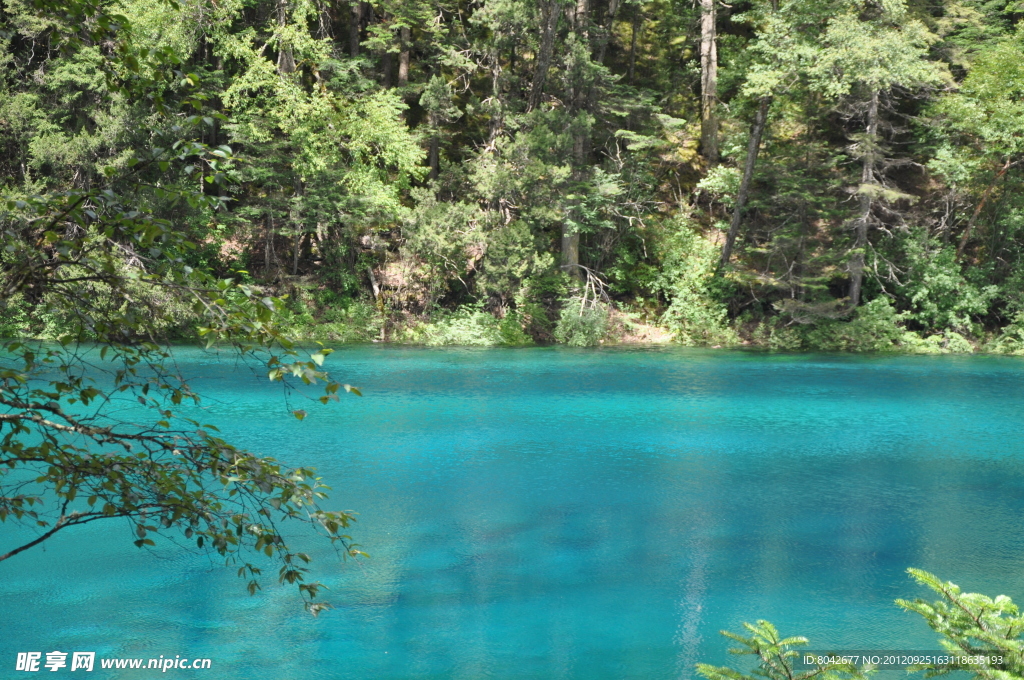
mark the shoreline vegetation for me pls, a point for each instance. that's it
(311, 315)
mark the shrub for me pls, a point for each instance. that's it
(779, 337)
(468, 325)
(1011, 339)
(511, 329)
(348, 321)
(695, 314)
(14, 320)
(874, 328)
(581, 325)
(936, 291)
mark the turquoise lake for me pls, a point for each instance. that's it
(551, 513)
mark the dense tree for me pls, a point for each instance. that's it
(398, 163)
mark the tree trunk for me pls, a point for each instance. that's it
(632, 43)
(708, 81)
(571, 237)
(551, 12)
(403, 57)
(374, 285)
(285, 58)
(385, 67)
(579, 101)
(497, 121)
(867, 177)
(434, 157)
(324, 18)
(579, 19)
(268, 244)
(571, 252)
(606, 31)
(354, 27)
(753, 146)
(978, 208)
(296, 219)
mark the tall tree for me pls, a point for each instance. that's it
(709, 80)
(550, 11)
(579, 80)
(865, 54)
(753, 149)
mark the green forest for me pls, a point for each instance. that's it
(839, 175)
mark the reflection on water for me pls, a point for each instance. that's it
(576, 514)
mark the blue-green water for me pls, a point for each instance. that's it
(574, 514)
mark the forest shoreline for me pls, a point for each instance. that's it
(910, 343)
(874, 328)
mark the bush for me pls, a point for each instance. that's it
(914, 343)
(957, 344)
(468, 325)
(878, 327)
(695, 314)
(1011, 339)
(14, 320)
(874, 328)
(511, 329)
(936, 291)
(581, 325)
(349, 321)
(321, 314)
(136, 301)
(778, 336)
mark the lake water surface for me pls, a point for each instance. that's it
(550, 513)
